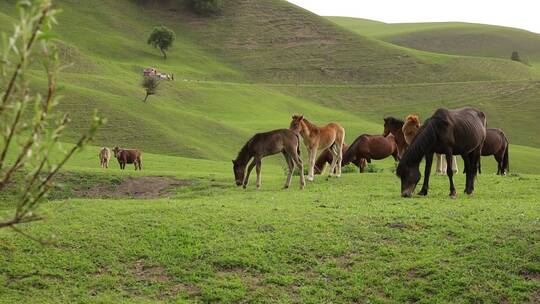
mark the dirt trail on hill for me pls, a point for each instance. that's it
(146, 187)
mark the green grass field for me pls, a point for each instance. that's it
(346, 240)
(180, 231)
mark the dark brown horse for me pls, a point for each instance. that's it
(496, 144)
(371, 147)
(128, 156)
(265, 144)
(394, 126)
(460, 132)
(317, 138)
(327, 158)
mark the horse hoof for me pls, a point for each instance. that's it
(422, 193)
(310, 178)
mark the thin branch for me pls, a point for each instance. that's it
(18, 70)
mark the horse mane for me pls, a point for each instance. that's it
(243, 154)
(412, 119)
(394, 121)
(422, 143)
(309, 124)
(347, 158)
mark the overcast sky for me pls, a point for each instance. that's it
(523, 14)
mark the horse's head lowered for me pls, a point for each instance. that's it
(239, 172)
(296, 123)
(410, 176)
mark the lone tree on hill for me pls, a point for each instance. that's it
(515, 56)
(150, 84)
(161, 38)
(31, 131)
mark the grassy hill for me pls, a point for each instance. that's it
(451, 37)
(253, 67)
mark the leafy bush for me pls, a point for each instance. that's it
(372, 168)
(515, 56)
(150, 85)
(205, 7)
(350, 168)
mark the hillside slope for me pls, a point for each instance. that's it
(451, 37)
(248, 71)
(275, 41)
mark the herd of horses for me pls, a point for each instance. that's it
(446, 133)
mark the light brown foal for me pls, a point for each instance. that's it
(320, 138)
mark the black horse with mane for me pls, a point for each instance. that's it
(450, 132)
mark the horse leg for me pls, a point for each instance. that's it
(258, 169)
(246, 179)
(290, 164)
(427, 172)
(499, 159)
(334, 161)
(339, 159)
(454, 164)
(298, 160)
(312, 153)
(475, 164)
(450, 174)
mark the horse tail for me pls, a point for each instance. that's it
(506, 159)
(298, 145)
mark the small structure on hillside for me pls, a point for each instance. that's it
(152, 72)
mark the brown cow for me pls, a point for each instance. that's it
(128, 156)
(104, 157)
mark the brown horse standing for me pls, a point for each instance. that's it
(461, 131)
(320, 138)
(395, 127)
(327, 158)
(265, 144)
(496, 144)
(372, 147)
(128, 156)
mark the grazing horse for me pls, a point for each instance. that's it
(326, 158)
(371, 147)
(320, 138)
(461, 131)
(265, 144)
(395, 127)
(128, 156)
(496, 144)
(104, 157)
(410, 128)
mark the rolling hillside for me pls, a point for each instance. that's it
(451, 37)
(253, 67)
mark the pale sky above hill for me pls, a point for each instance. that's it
(523, 14)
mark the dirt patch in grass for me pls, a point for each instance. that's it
(397, 225)
(146, 187)
(149, 273)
